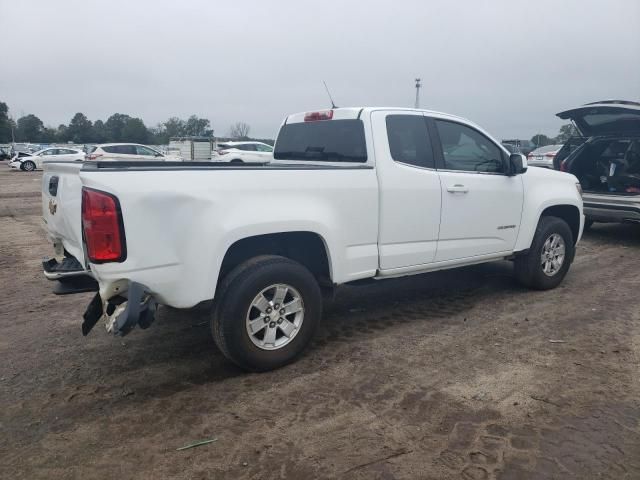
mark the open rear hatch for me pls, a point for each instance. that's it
(608, 161)
(607, 117)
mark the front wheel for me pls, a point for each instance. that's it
(267, 311)
(547, 261)
(28, 166)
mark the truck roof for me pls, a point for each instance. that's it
(348, 113)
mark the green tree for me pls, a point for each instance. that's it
(566, 132)
(99, 132)
(80, 129)
(114, 127)
(61, 133)
(29, 129)
(541, 140)
(49, 135)
(5, 124)
(174, 127)
(135, 131)
(198, 127)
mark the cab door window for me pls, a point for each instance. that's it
(409, 141)
(466, 149)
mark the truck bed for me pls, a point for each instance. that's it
(179, 219)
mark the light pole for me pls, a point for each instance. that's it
(418, 85)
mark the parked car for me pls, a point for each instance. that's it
(15, 162)
(606, 159)
(518, 146)
(35, 161)
(127, 152)
(243, 152)
(543, 156)
(352, 194)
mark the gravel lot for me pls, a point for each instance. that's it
(447, 375)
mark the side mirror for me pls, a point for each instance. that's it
(517, 164)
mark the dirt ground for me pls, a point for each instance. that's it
(441, 376)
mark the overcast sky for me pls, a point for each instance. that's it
(509, 65)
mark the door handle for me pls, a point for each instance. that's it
(457, 188)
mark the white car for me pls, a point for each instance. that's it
(128, 151)
(237, 152)
(352, 194)
(543, 156)
(36, 160)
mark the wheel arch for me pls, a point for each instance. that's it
(305, 247)
(568, 213)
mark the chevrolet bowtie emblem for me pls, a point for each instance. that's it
(52, 207)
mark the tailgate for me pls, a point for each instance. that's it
(61, 203)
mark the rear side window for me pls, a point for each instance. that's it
(468, 150)
(140, 150)
(121, 149)
(409, 140)
(322, 141)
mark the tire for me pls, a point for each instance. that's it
(28, 166)
(235, 310)
(588, 223)
(530, 268)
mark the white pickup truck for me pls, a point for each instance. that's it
(351, 194)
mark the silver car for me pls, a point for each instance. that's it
(606, 160)
(543, 156)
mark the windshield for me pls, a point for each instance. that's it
(324, 141)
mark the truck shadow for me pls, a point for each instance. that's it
(180, 344)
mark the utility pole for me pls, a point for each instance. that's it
(418, 85)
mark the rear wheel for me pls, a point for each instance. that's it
(551, 253)
(28, 166)
(267, 311)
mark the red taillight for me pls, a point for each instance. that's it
(316, 116)
(93, 156)
(529, 157)
(223, 152)
(563, 166)
(102, 227)
(550, 155)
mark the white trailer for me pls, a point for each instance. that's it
(192, 149)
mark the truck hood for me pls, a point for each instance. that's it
(605, 118)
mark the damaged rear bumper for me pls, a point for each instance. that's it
(121, 313)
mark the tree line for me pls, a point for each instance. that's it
(117, 128)
(566, 132)
(124, 128)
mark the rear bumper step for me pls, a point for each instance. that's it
(69, 267)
